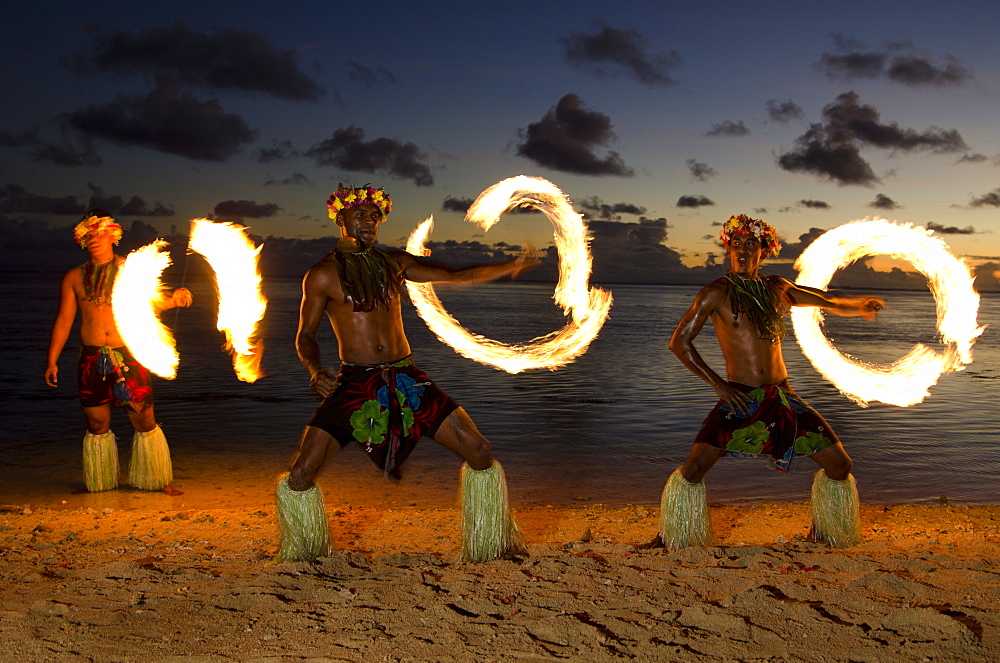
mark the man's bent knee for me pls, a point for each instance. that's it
(835, 462)
(313, 448)
(699, 462)
(98, 420)
(459, 433)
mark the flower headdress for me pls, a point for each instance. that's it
(743, 224)
(96, 221)
(347, 197)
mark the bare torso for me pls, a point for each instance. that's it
(97, 322)
(372, 337)
(750, 359)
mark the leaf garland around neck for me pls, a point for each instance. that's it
(99, 280)
(370, 277)
(755, 298)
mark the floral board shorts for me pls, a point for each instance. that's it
(780, 425)
(112, 375)
(386, 407)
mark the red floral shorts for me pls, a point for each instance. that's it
(112, 375)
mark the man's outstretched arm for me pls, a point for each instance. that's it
(179, 298)
(865, 306)
(423, 271)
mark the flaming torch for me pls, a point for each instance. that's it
(234, 258)
(907, 380)
(137, 287)
(587, 307)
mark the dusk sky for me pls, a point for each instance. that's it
(668, 117)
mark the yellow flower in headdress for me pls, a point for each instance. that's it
(346, 197)
(743, 224)
(96, 222)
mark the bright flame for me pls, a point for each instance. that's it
(136, 288)
(234, 258)
(907, 380)
(587, 307)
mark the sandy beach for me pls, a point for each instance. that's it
(150, 579)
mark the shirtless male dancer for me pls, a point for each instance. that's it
(106, 372)
(379, 397)
(758, 413)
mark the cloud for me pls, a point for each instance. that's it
(814, 204)
(791, 250)
(693, 201)
(117, 205)
(832, 151)
(950, 230)
(818, 153)
(55, 142)
(784, 111)
(973, 158)
(851, 62)
(911, 70)
(700, 171)
(279, 151)
(991, 199)
(295, 179)
(368, 77)
(243, 209)
(625, 51)
(15, 199)
(565, 139)
(347, 149)
(452, 204)
(883, 201)
(850, 66)
(595, 208)
(166, 120)
(728, 128)
(225, 59)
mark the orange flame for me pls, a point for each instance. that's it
(234, 258)
(136, 288)
(588, 308)
(907, 380)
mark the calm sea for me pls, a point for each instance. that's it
(608, 428)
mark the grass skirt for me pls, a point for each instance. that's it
(684, 514)
(100, 462)
(150, 468)
(305, 531)
(488, 529)
(835, 517)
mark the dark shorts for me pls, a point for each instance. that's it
(780, 425)
(388, 426)
(112, 375)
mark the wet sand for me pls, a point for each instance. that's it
(128, 576)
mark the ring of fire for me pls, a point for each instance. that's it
(907, 380)
(234, 261)
(587, 307)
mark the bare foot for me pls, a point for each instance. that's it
(170, 490)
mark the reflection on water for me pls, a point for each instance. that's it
(608, 428)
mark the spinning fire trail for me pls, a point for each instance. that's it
(907, 380)
(234, 258)
(587, 307)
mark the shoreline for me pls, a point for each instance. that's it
(157, 579)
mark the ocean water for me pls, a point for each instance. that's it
(608, 428)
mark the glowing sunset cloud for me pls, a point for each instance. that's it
(233, 257)
(587, 307)
(907, 380)
(136, 289)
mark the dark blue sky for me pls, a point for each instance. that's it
(681, 114)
